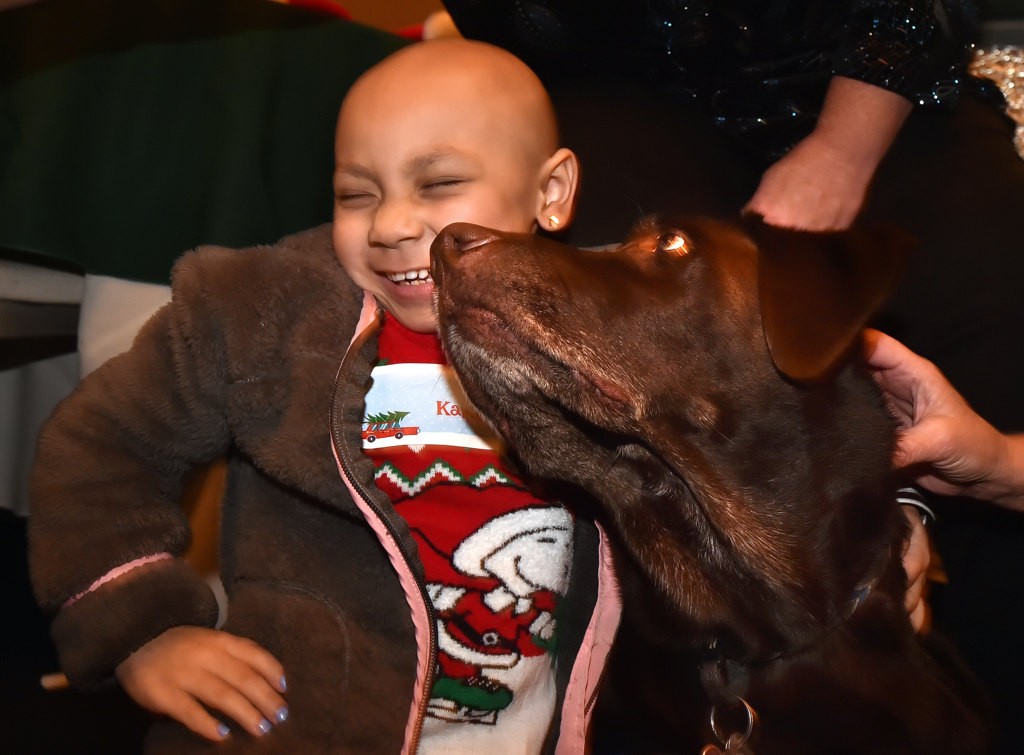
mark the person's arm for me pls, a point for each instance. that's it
(821, 183)
(948, 447)
(892, 55)
(107, 529)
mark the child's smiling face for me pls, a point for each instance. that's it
(424, 140)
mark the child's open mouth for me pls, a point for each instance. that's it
(411, 277)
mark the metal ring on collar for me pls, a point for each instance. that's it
(751, 720)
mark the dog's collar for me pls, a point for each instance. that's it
(725, 679)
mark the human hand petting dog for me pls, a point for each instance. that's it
(821, 183)
(186, 668)
(814, 187)
(950, 449)
(954, 450)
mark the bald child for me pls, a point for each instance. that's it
(391, 586)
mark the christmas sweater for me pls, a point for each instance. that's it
(496, 558)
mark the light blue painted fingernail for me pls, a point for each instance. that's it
(264, 726)
(282, 714)
(222, 730)
(283, 684)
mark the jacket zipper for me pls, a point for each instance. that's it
(386, 521)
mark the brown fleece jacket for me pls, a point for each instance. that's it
(244, 361)
(241, 362)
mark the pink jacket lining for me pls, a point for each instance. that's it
(117, 571)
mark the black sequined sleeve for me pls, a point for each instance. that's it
(916, 48)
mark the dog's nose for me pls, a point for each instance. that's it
(452, 243)
(458, 238)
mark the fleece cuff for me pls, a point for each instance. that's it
(103, 627)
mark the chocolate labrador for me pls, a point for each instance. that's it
(703, 383)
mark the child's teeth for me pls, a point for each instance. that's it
(411, 277)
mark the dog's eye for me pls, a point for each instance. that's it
(673, 242)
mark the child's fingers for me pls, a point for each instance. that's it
(185, 709)
(257, 705)
(258, 658)
(237, 701)
(221, 671)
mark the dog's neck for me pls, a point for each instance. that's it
(725, 667)
(764, 541)
(748, 534)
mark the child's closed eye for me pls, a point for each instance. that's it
(441, 185)
(355, 199)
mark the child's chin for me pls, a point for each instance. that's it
(420, 322)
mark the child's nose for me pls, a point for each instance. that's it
(395, 221)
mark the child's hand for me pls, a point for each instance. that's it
(186, 668)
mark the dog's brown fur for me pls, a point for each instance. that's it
(702, 384)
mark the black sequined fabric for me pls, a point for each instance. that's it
(760, 66)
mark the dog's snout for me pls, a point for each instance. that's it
(452, 242)
(458, 238)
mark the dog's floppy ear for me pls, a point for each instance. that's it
(817, 290)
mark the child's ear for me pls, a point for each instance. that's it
(560, 178)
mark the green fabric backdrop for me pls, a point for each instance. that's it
(216, 127)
